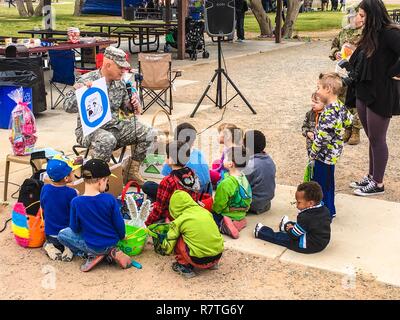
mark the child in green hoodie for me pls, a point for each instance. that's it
(193, 234)
(233, 195)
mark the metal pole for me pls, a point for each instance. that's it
(278, 25)
(181, 29)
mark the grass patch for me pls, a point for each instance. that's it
(11, 23)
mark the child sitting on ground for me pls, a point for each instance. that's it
(229, 136)
(96, 223)
(328, 143)
(180, 178)
(233, 195)
(55, 200)
(260, 172)
(194, 236)
(185, 132)
(312, 231)
(310, 122)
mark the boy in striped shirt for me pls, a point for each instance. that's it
(312, 231)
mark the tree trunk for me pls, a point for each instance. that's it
(78, 7)
(29, 7)
(38, 9)
(291, 17)
(21, 8)
(263, 20)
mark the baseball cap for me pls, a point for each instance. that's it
(117, 55)
(59, 167)
(96, 168)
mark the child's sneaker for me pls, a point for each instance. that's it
(52, 251)
(67, 255)
(284, 220)
(371, 189)
(214, 267)
(362, 183)
(120, 258)
(240, 224)
(227, 227)
(184, 270)
(257, 228)
(91, 262)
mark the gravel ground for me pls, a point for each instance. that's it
(278, 85)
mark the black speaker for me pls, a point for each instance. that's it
(219, 17)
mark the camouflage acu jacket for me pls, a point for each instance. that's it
(328, 143)
(345, 36)
(309, 125)
(117, 95)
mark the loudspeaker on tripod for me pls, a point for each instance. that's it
(219, 17)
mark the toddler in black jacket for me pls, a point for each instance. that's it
(312, 231)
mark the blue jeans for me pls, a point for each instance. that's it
(150, 188)
(324, 174)
(279, 238)
(78, 246)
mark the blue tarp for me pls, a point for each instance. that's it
(107, 7)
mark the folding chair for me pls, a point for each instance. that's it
(86, 151)
(62, 63)
(156, 80)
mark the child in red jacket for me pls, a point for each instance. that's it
(180, 178)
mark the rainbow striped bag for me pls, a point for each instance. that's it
(28, 229)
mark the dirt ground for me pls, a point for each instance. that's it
(278, 85)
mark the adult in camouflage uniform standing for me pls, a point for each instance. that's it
(349, 36)
(121, 130)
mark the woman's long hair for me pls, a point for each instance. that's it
(377, 19)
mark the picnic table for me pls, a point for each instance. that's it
(47, 33)
(395, 15)
(67, 46)
(147, 13)
(132, 31)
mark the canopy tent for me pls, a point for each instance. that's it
(108, 7)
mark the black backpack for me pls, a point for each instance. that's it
(30, 193)
(31, 187)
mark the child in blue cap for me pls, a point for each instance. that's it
(55, 200)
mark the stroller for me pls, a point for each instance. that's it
(194, 39)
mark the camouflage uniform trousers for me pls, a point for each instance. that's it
(356, 124)
(103, 142)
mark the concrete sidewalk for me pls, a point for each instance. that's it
(230, 50)
(364, 234)
(364, 238)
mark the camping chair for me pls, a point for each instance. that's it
(156, 80)
(86, 150)
(62, 63)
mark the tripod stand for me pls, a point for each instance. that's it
(218, 74)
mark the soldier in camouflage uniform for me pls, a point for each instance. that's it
(349, 35)
(120, 131)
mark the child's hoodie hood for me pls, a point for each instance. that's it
(187, 178)
(180, 202)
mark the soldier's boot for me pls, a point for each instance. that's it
(355, 137)
(132, 172)
(347, 134)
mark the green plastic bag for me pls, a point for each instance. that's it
(309, 172)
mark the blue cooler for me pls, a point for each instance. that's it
(7, 105)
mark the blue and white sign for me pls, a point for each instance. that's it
(94, 106)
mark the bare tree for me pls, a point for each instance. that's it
(38, 9)
(78, 7)
(25, 8)
(21, 8)
(262, 18)
(291, 17)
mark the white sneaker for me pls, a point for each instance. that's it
(360, 184)
(257, 228)
(284, 220)
(52, 251)
(67, 255)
